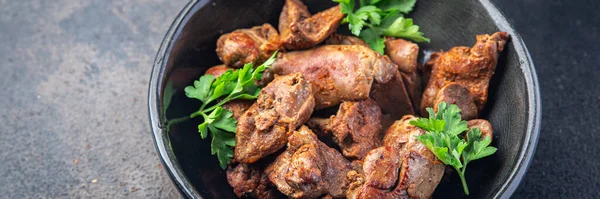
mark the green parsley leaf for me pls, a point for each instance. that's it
(219, 122)
(375, 19)
(221, 144)
(443, 138)
(200, 89)
(375, 41)
(347, 8)
(404, 28)
(478, 147)
(431, 124)
(373, 14)
(453, 121)
(225, 120)
(203, 129)
(356, 22)
(168, 94)
(404, 6)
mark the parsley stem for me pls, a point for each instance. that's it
(172, 122)
(461, 174)
(227, 99)
(195, 114)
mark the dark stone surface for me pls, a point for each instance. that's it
(563, 38)
(74, 78)
(74, 117)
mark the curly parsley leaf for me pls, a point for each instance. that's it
(443, 138)
(219, 122)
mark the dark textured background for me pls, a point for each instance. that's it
(74, 78)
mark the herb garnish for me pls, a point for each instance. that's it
(219, 122)
(381, 18)
(443, 139)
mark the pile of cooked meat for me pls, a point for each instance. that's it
(332, 120)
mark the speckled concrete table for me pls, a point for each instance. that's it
(74, 77)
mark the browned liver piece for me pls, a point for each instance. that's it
(454, 93)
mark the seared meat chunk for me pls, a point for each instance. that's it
(254, 45)
(402, 168)
(409, 85)
(337, 72)
(471, 67)
(218, 70)
(238, 107)
(484, 126)
(244, 178)
(308, 168)
(403, 53)
(250, 180)
(300, 30)
(337, 39)
(398, 134)
(381, 167)
(454, 93)
(421, 173)
(355, 128)
(421, 170)
(282, 106)
(414, 86)
(392, 97)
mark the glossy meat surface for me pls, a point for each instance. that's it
(414, 85)
(356, 128)
(253, 45)
(337, 72)
(471, 67)
(337, 39)
(309, 169)
(218, 70)
(454, 93)
(402, 168)
(282, 106)
(484, 126)
(300, 30)
(392, 97)
(403, 53)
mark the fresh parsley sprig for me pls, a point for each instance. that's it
(219, 122)
(443, 138)
(381, 18)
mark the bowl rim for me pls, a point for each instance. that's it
(186, 188)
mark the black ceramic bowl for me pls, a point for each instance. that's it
(189, 49)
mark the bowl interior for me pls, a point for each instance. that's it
(447, 22)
